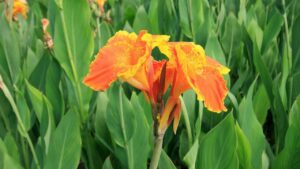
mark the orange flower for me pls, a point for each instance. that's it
(20, 7)
(196, 71)
(101, 5)
(128, 57)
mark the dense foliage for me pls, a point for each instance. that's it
(50, 119)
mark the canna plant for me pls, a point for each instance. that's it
(127, 56)
(159, 68)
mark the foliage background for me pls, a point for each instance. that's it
(49, 119)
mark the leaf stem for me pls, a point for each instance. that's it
(22, 128)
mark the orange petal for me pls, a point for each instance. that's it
(176, 112)
(203, 75)
(122, 57)
(163, 123)
(210, 86)
(213, 63)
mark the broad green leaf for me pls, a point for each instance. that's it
(185, 17)
(73, 39)
(252, 128)
(154, 16)
(217, 150)
(295, 45)
(261, 107)
(276, 102)
(183, 144)
(65, 145)
(11, 49)
(107, 164)
(289, 156)
(6, 161)
(53, 90)
(214, 50)
(272, 29)
(140, 142)
(44, 112)
(26, 116)
(101, 129)
(12, 146)
(191, 157)
(105, 33)
(201, 17)
(243, 149)
(165, 162)
(141, 20)
(120, 117)
(255, 32)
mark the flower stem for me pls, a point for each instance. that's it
(157, 151)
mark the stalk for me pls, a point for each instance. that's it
(157, 151)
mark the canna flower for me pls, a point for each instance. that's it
(126, 56)
(194, 70)
(20, 7)
(101, 5)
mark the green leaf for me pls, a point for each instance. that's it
(141, 20)
(217, 150)
(107, 164)
(277, 108)
(252, 128)
(214, 50)
(289, 156)
(261, 108)
(120, 117)
(255, 33)
(12, 146)
(44, 112)
(65, 145)
(184, 17)
(73, 39)
(191, 157)
(101, 129)
(154, 16)
(53, 91)
(6, 161)
(11, 49)
(243, 149)
(189, 98)
(26, 116)
(272, 29)
(165, 162)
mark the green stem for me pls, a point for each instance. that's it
(157, 151)
(22, 127)
(187, 122)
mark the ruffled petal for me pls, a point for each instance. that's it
(213, 63)
(122, 57)
(210, 87)
(203, 75)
